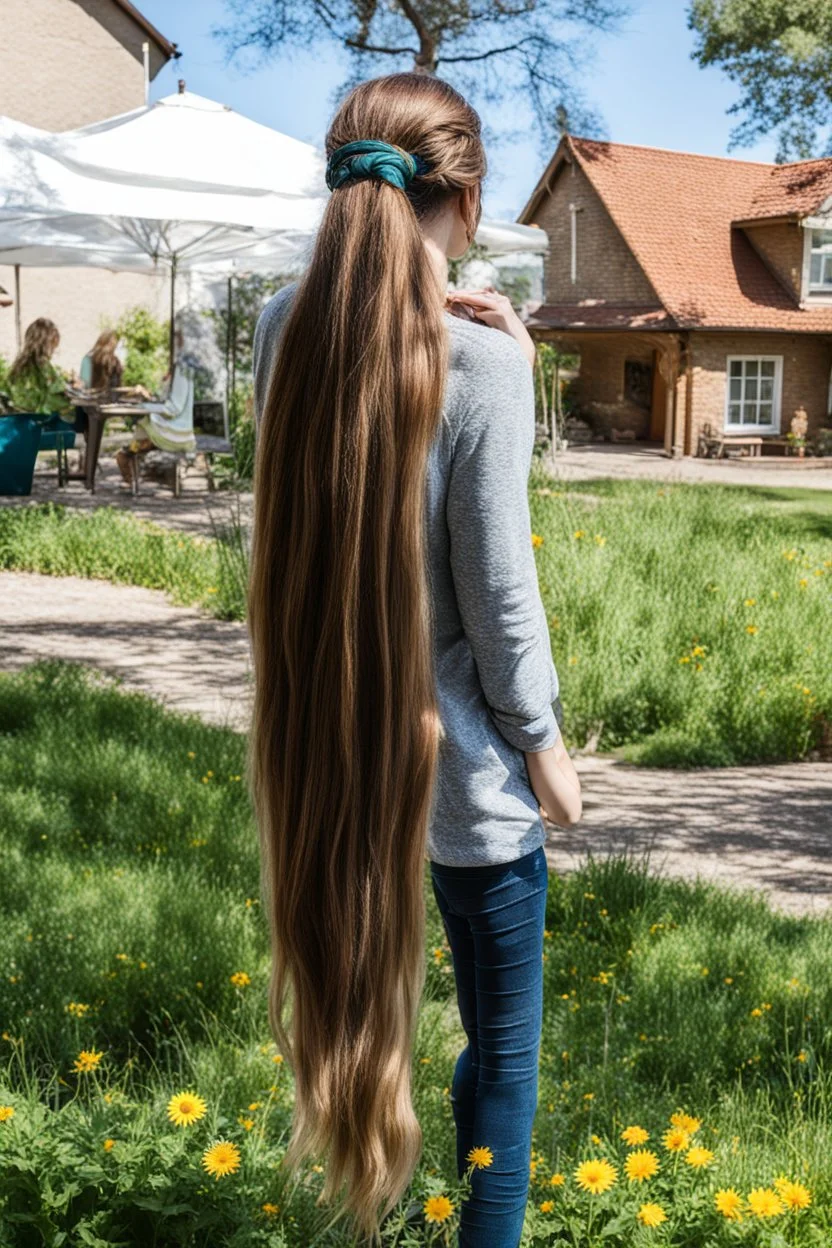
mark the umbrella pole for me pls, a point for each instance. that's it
(228, 315)
(171, 342)
(17, 329)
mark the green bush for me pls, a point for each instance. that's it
(148, 347)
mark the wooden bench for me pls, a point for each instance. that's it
(714, 445)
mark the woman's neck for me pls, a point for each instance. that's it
(438, 260)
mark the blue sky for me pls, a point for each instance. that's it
(642, 82)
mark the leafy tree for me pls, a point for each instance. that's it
(492, 50)
(780, 52)
(146, 340)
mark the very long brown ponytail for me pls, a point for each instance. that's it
(344, 740)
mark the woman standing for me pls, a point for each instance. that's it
(403, 676)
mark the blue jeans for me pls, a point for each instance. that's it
(494, 919)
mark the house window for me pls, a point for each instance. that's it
(752, 401)
(820, 261)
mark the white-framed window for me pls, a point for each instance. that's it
(820, 262)
(753, 390)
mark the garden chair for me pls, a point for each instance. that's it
(170, 426)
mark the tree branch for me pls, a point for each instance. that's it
(371, 47)
(482, 56)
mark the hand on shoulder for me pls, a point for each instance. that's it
(491, 308)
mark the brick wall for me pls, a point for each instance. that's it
(599, 389)
(807, 359)
(606, 267)
(781, 249)
(67, 63)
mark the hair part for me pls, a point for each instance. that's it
(345, 728)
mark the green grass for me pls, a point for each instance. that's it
(113, 545)
(129, 885)
(690, 625)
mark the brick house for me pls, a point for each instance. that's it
(697, 289)
(67, 63)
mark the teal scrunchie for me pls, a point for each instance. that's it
(373, 158)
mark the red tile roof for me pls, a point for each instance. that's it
(599, 316)
(675, 212)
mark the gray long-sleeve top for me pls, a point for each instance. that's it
(495, 678)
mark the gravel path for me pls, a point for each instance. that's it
(768, 828)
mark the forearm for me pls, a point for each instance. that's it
(555, 784)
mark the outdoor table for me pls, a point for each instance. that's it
(98, 414)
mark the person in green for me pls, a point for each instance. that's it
(34, 383)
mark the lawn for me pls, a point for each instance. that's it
(135, 962)
(690, 624)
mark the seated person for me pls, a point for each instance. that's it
(169, 424)
(34, 383)
(102, 369)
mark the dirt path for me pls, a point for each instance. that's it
(758, 827)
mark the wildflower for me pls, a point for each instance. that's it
(557, 1180)
(794, 1195)
(191, 754)
(764, 1202)
(185, 1108)
(685, 658)
(596, 1139)
(546, 1206)
(595, 1176)
(698, 1157)
(729, 1204)
(641, 1165)
(6, 1112)
(802, 1055)
(676, 1140)
(240, 979)
(756, 1012)
(248, 1123)
(600, 539)
(108, 1144)
(573, 660)
(751, 602)
(634, 1136)
(87, 1060)
(269, 1209)
(481, 1156)
(752, 629)
(651, 1215)
(579, 533)
(803, 583)
(537, 540)
(437, 1209)
(278, 1058)
(699, 652)
(221, 1158)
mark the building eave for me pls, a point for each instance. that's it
(168, 49)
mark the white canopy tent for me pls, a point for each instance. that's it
(184, 183)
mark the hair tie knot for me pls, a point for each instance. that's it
(373, 158)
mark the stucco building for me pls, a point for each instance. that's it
(67, 63)
(697, 289)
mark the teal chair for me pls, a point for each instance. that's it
(58, 435)
(20, 435)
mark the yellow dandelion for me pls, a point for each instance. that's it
(691, 1125)
(437, 1209)
(752, 629)
(756, 1012)
(558, 1180)
(600, 539)
(651, 1215)
(685, 658)
(634, 1136)
(579, 533)
(87, 1060)
(699, 1157)
(641, 1165)
(481, 1156)
(546, 1206)
(764, 1202)
(595, 1176)
(803, 583)
(794, 1195)
(676, 1140)
(729, 1204)
(108, 1144)
(6, 1112)
(537, 540)
(221, 1158)
(802, 1056)
(185, 1108)
(240, 978)
(270, 1210)
(751, 602)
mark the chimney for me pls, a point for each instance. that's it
(181, 86)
